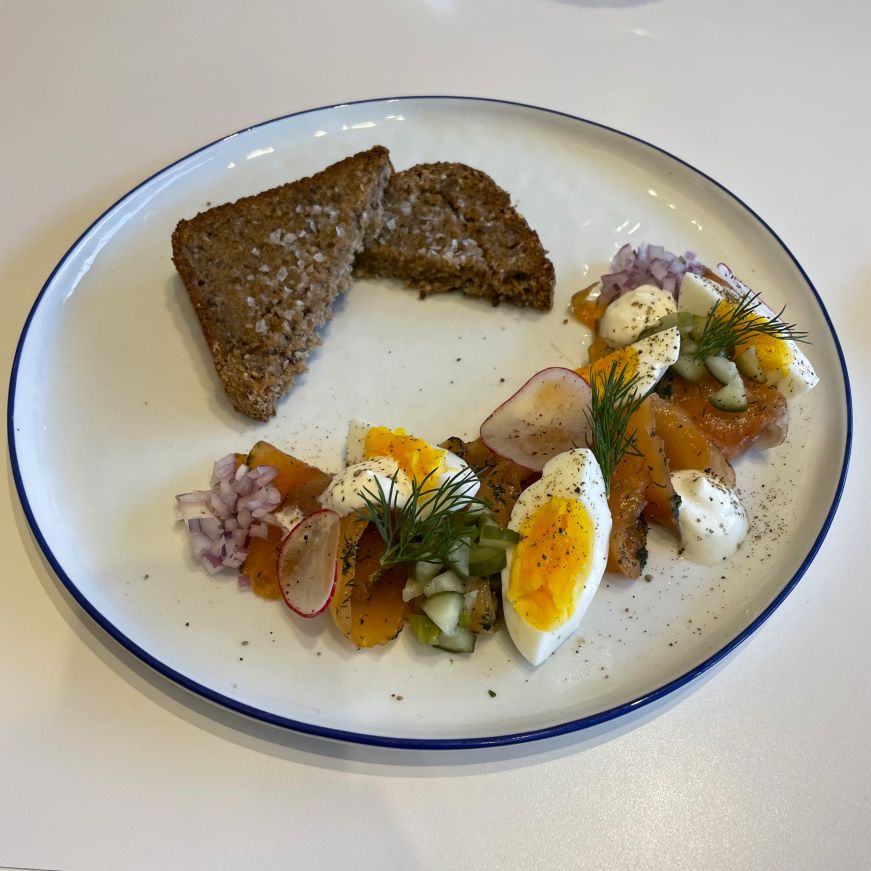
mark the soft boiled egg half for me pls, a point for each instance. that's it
(393, 460)
(553, 572)
(648, 359)
(786, 368)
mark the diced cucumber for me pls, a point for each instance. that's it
(485, 517)
(497, 536)
(423, 629)
(412, 589)
(749, 366)
(688, 368)
(469, 518)
(423, 571)
(484, 561)
(458, 557)
(688, 346)
(732, 397)
(477, 509)
(725, 371)
(446, 582)
(470, 595)
(682, 320)
(699, 324)
(444, 610)
(685, 322)
(459, 641)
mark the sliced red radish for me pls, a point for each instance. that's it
(544, 418)
(308, 563)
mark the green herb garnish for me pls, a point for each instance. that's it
(614, 399)
(430, 525)
(732, 326)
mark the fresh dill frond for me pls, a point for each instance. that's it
(614, 399)
(727, 327)
(429, 525)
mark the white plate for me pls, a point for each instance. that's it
(115, 408)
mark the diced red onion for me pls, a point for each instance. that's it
(648, 264)
(200, 543)
(211, 563)
(222, 521)
(191, 510)
(224, 468)
(263, 475)
(210, 526)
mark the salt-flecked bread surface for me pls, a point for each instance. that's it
(262, 273)
(447, 226)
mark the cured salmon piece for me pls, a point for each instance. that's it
(640, 491)
(763, 425)
(299, 485)
(502, 481)
(686, 445)
(367, 606)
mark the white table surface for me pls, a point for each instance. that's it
(764, 763)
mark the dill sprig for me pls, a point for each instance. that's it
(732, 326)
(429, 525)
(614, 399)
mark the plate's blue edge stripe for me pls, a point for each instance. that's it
(422, 743)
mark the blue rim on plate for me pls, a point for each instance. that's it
(425, 743)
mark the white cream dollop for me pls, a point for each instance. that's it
(712, 520)
(343, 495)
(628, 316)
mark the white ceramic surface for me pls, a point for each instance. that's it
(113, 365)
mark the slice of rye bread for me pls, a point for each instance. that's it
(447, 226)
(263, 272)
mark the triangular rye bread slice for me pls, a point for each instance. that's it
(262, 272)
(447, 226)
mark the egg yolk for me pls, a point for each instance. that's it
(551, 563)
(625, 359)
(414, 456)
(774, 354)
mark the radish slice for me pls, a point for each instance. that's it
(544, 418)
(308, 563)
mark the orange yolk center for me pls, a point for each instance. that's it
(551, 562)
(415, 457)
(774, 355)
(625, 359)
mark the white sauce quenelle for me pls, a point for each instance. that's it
(344, 492)
(712, 520)
(628, 316)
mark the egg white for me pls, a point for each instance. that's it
(574, 475)
(655, 354)
(452, 465)
(699, 295)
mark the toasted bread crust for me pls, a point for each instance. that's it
(262, 272)
(447, 226)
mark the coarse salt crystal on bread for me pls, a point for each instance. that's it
(447, 226)
(262, 273)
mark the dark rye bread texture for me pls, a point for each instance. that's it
(263, 272)
(447, 226)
